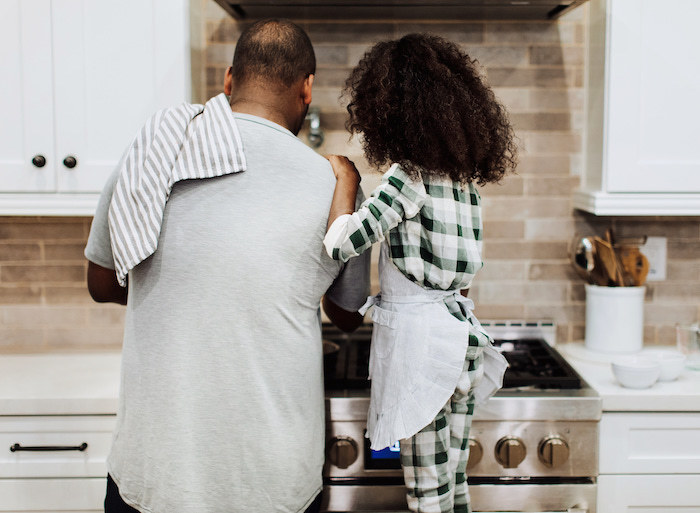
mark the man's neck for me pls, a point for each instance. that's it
(272, 106)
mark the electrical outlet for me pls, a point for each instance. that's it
(655, 251)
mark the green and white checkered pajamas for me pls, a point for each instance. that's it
(433, 233)
(434, 460)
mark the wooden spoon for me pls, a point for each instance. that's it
(606, 254)
(635, 264)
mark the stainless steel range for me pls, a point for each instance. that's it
(533, 447)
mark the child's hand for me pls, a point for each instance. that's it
(344, 168)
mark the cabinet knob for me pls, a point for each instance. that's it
(510, 451)
(70, 162)
(39, 160)
(343, 452)
(476, 452)
(553, 451)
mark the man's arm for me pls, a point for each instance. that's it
(350, 289)
(101, 277)
(103, 286)
(345, 320)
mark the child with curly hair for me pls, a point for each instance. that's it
(421, 105)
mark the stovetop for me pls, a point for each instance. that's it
(533, 362)
(539, 384)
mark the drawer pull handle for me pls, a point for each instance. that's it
(18, 447)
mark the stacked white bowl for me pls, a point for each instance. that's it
(644, 369)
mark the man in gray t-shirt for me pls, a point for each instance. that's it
(221, 403)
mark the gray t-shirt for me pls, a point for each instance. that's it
(221, 404)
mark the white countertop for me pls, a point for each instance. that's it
(682, 394)
(88, 384)
(59, 384)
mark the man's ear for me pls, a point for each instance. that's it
(228, 82)
(306, 89)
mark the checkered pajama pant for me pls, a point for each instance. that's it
(434, 460)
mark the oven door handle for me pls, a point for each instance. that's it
(569, 510)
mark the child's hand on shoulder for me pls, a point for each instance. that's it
(344, 168)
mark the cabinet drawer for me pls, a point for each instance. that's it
(656, 443)
(64, 495)
(648, 494)
(59, 431)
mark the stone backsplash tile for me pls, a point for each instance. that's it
(94, 338)
(498, 56)
(554, 143)
(64, 251)
(42, 273)
(458, 31)
(503, 270)
(20, 294)
(331, 32)
(541, 121)
(76, 293)
(551, 186)
(50, 316)
(556, 55)
(567, 100)
(543, 229)
(530, 33)
(19, 252)
(537, 72)
(517, 250)
(331, 55)
(510, 186)
(514, 229)
(535, 77)
(544, 165)
(498, 207)
(42, 228)
(26, 339)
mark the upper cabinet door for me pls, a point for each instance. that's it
(115, 64)
(654, 92)
(642, 88)
(26, 90)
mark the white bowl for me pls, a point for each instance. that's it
(672, 362)
(636, 371)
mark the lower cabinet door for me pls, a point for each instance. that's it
(649, 493)
(50, 495)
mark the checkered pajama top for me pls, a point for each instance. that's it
(433, 230)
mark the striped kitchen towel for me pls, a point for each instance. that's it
(179, 143)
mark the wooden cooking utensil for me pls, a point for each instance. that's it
(620, 277)
(635, 264)
(606, 255)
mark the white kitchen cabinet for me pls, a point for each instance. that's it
(649, 462)
(80, 78)
(54, 480)
(643, 82)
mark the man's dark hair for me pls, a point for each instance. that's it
(277, 50)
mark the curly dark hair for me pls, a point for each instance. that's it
(420, 101)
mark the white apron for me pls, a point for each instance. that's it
(417, 356)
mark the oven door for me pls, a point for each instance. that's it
(492, 498)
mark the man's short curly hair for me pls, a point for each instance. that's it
(420, 101)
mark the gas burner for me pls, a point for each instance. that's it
(534, 363)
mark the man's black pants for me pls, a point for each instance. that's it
(115, 504)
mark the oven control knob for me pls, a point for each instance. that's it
(342, 451)
(510, 451)
(475, 453)
(553, 451)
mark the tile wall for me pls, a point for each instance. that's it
(536, 69)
